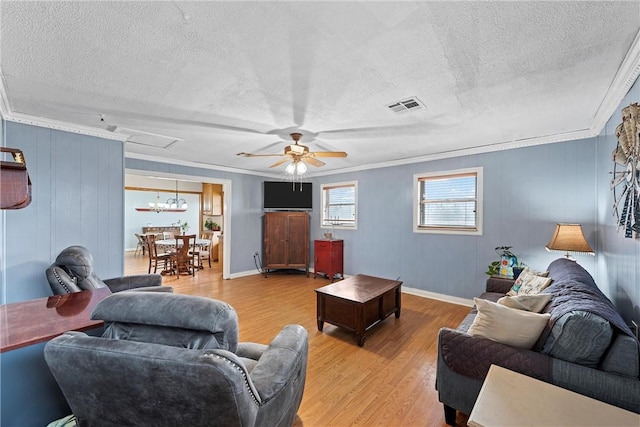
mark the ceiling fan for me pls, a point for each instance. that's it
(297, 154)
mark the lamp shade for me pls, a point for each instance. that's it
(569, 238)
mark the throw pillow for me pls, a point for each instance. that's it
(534, 285)
(506, 325)
(527, 275)
(533, 303)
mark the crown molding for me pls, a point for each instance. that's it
(192, 164)
(5, 108)
(499, 146)
(620, 85)
(64, 126)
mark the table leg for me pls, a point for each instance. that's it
(360, 326)
(398, 302)
(320, 311)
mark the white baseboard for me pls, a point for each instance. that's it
(439, 297)
(411, 291)
(244, 274)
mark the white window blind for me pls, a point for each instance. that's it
(449, 202)
(339, 205)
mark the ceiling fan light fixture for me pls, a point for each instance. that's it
(301, 168)
(291, 168)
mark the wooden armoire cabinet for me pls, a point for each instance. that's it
(286, 240)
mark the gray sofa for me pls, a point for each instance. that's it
(174, 360)
(585, 347)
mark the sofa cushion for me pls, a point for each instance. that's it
(533, 303)
(622, 358)
(506, 325)
(579, 337)
(529, 280)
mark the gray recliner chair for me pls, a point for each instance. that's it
(174, 360)
(72, 271)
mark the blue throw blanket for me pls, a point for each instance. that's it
(573, 289)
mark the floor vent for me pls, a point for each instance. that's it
(409, 104)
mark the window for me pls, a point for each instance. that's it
(448, 202)
(339, 202)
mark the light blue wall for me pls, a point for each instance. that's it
(134, 220)
(526, 192)
(78, 198)
(618, 258)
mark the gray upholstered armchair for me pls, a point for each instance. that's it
(174, 360)
(72, 271)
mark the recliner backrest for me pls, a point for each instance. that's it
(160, 318)
(72, 271)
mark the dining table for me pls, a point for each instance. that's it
(169, 245)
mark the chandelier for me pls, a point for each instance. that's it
(174, 204)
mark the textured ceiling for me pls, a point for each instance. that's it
(226, 77)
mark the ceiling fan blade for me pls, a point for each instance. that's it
(279, 162)
(329, 154)
(243, 154)
(312, 161)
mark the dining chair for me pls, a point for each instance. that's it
(156, 257)
(203, 252)
(142, 243)
(184, 259)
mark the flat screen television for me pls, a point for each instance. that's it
(287, 195)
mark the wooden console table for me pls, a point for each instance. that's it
(508, 398)
(34, 321)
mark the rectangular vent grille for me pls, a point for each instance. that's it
(409, 104)
(147, 139)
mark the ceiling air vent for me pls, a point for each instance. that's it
(147, 139)
(409, 104)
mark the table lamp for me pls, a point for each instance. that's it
(569, 238)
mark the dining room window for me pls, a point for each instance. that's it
(448, 202)
(339, 205)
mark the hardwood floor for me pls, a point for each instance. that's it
(388, 382)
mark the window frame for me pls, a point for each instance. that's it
(459, 230)
(323, 193)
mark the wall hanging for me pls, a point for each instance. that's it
(15, 184)
(626, 172)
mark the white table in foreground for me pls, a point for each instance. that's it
(508, 398)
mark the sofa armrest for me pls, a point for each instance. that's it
(283, 364)
(118, 284)
(499, 284)
(472, 356)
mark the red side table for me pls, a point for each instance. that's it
(328, 258)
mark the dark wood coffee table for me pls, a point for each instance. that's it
(358, 303)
